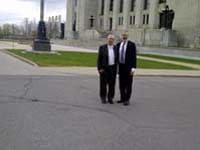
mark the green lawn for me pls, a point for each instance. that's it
(147, 64)
(59, 59)
(184, 60)
(84, 59)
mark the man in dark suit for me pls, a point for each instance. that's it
(107, 68)
(127, 65)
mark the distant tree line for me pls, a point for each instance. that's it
(9, 31)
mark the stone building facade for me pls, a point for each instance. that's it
(144, 19)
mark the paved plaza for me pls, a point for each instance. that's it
(64, 112)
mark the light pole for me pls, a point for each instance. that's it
(13, 33)
(41, 43)
(41, 10)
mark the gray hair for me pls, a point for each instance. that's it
(111, 36)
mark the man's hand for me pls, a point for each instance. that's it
(101, 71)
(132, 73)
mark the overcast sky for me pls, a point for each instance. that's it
(14, 11)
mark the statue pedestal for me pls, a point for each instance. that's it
(169, 38)
(41, 43)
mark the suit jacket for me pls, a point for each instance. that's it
(130, 58)
(102, 61)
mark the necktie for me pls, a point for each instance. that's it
(122, 58)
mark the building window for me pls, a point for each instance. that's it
(121, 6)
(132, 5)
(75, 2)
(111, 5)
(146, 3)
(102, 7)
(162, 1)
(147, 17)
(132, 20)
(144, 19)
(121, 19)
(101, 22)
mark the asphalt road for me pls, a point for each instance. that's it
(64, 113)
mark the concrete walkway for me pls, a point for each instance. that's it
(10, 45)
(55, 47)
(172, 51)
(9, 64)
(194, 66)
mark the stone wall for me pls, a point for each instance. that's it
(153, 37)
(186, 22)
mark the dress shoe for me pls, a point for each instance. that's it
(126, 103)
(120, 101)
(103, 100)
(110, 101)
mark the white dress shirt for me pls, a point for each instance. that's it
(111, 55)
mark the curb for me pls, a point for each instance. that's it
(20, 58)
(141, 73)
(137, 75)
(177, 76)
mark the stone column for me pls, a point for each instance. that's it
(154, 15)
(82, 17)
(98, 21)
(69, 19)
(106, 13)
(115, 14)
(126, 10)
(139, 9)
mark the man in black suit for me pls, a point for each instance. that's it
(127, 66)
(107, 68)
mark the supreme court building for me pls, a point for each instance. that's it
(149, 22)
